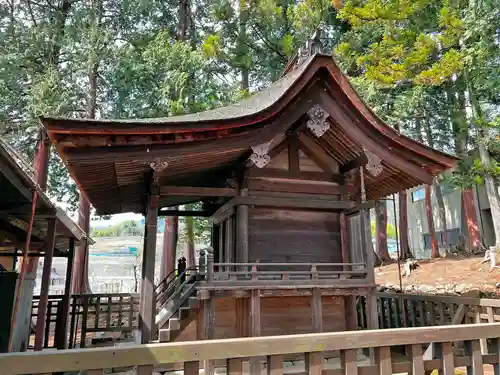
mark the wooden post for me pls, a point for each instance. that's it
(170, 237)
(242, 248)
(255, 364)
(50, 239)
(317, 310)
(62, 332)
(202, 264)
(344, 240)
(205, 326)
(147, 310)
(210, 265)
(371, 299)
(229, 242)
(220, 255)
(80, 276)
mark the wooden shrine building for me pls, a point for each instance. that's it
(285, 177)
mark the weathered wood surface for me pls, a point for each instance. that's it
(279, 316)
(397, 310)
(311, 346)
(281, 235)
(111, 313)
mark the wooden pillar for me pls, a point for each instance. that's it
(80, 277)
(351, 317)
(229, 241)
(50, 239)
(220, 256)
(317, 310)
(62, 331)
(205, 324)
(147, 310)
(344, 240)
(255, 364)
(371, 300)
(170, 238)
(242, 248)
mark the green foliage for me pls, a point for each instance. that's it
(391, 230)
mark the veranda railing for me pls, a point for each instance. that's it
(271, 352)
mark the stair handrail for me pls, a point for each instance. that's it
(163, 297)
(166, 280)
(178, 297)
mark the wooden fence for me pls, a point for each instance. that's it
(90, 315)
(272, 352)
(398, 310)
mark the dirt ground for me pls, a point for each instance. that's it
(451, 270)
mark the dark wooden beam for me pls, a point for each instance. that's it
(303, 176)
(284, 187)
(198, 191)
(360, 206)
(353, 164)
(186, 213)
(316, 204)
(293, 154)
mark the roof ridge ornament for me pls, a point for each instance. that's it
(259, 156)
(311, 47)
(317, 122)
(158, 165)
(374, 165)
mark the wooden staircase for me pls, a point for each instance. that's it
(177, 308)
(179, 321)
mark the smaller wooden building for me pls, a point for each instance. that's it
(286, 177)
(53, 234)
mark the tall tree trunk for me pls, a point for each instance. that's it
(458, 118)
(430, 222)
(484, 156)
(183, 24)
(190, 250)
(405, 252)
(170, 238)
(381, 230)
(439, 195)
(242, 36)
(428, 202)
(81, 282)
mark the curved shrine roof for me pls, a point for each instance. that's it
(111, 160)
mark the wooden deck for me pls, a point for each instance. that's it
(271, 352)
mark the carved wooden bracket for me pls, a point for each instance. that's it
(374, 165)
(158, 165)
(260, 157)
(317, 120)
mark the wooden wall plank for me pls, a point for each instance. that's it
(274, 365)
(234, 366)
